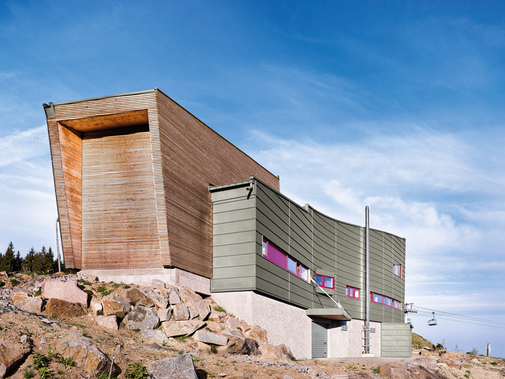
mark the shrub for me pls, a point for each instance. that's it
(136, 371)
(41, 361)
(218, 308)
(67, 361)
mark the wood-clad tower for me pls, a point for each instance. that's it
(131, 175)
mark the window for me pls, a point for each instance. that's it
(281, 259)
(352, 292)
(397, 269)
(325, 281)
(380, 299)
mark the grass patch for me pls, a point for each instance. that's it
(218, 308)
(85, 282)
(181, 338)
(136, 371)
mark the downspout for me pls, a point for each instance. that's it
(367, 280)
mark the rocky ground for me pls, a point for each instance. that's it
(38, 341)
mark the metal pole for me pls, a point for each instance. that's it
(58, 244)
(367, 284)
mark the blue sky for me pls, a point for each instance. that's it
(394, 104)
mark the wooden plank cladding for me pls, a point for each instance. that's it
(131, 178)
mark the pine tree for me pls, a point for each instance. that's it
(48, 261)
(8, 259)
(38, 261)
(18, 262)
(29, 261)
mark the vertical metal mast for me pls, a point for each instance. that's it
(58, 244)
(367, 280)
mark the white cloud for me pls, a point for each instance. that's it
(24, 145)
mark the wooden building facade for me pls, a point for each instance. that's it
(131, 175)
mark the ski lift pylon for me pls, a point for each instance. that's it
(433, 321)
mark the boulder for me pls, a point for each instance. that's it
(251, 347)
(215, 327)
(156, 335)
(203, 347)
(174, 296)
(392, 370)
(165, 314)
(181, 367)
(258, 334)
(26, 303)
(236, 333)
(187, 294)
(286, 352)
(62, 308)
(108, 322)
(232, 323)
(136, 297)
(181, 328)
(193, 312)
(210, 338)
(271, 352)
(67, 291)
(87, 356)
(202, 308)
(158, 284)
(245, 326)
(96, 307)
(115, 305)
(142, 318)
(218, 316)
(181, 312)
(11, 356)
(155, 297)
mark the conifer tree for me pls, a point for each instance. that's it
(18, 262)
(8, 259)
(29, 261)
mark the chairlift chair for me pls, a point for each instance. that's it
(433, 321)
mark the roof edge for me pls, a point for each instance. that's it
(106, 97)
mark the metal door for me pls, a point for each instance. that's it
(319, 340)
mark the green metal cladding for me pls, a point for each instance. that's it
(246, 212)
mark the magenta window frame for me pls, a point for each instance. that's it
(323, 277)
(351, 292)
(384, 301)
(399, 269)
(281, 259)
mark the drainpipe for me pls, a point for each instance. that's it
(367, 280)
(58, 244)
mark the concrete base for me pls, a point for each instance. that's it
(172, 276)
(290, 325)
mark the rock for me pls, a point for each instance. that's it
(181, 312)
(280, 352)
(142, 318)
(215, 327)
(91, 278)
(109, 322)
(165, 314)
(158, 284)
(115, 305)
(67, 291)
(218, 316)
(187, 294)
(203, 309)
(87, 356)
(96, 307)
(232, 323)
(24, 339)
(237, 333)
(11, 356)
(62, 308)
(210, 338)
(258, 334)
(42, 341)
(26, 302)
(251, 347)
(174, 296)
(136, 297)
(181, 367)
(181, 328)
(391, 370)
(155, 297)
(286, 351)
(204, 347)
(245, 326)
(235, 346)
(156, 335)
(193, 312)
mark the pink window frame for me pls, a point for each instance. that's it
(399, 270)
(347, 288)
(267, 245)
(384, 300)
(326, 276)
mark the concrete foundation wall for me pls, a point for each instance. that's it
(290, 325)
(172, 276)
(349, 343)
(284, 323)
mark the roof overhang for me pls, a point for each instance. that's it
(330, 313)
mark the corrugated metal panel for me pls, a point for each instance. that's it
(319, 340)
(396, 340)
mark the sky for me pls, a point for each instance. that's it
(398, 105)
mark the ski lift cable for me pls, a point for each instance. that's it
(477, 322)
(461, 316)
(464, 322)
